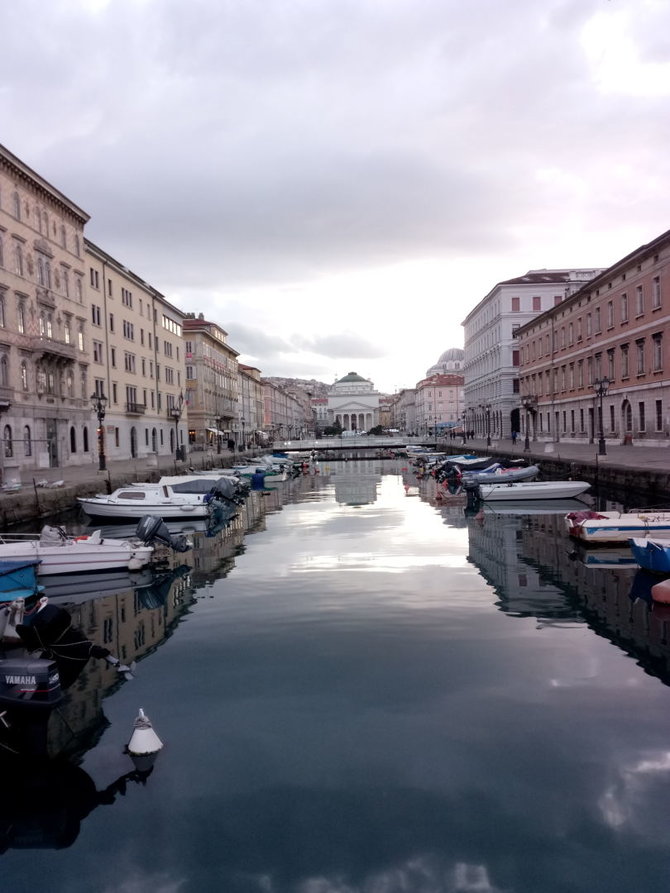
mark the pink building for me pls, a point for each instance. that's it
(595, 366)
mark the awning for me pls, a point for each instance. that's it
(216, 431)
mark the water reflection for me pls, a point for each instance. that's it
(536, 571)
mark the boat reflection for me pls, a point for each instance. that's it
(536, 572)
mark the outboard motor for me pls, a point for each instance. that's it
(30, 683)
(151, 528)
(227, 488)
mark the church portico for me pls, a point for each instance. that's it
(353, 403)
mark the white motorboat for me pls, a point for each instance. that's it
(59, 553)
(617, 527)
(499, 475)
(150, 499)
(523, 490)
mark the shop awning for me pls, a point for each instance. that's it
(216, 431)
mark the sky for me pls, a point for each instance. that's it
(337, 183)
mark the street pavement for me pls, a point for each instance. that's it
(645, 458)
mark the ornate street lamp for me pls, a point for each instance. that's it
(601, 386)
(99, 405)
(529, 402)
(487, 415)
(176, 411)
(465, 433)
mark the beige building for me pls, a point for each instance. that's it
(44, 319)
(212, 385)
(251, 405)
(136, 360)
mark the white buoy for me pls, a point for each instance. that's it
(144, 740)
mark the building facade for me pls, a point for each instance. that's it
(597, 364)
(353, 403)
(214, 416)
(491, 360)
(439, 404)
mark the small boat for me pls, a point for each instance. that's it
(617, 527)
(18, 578)
(58, 553)
(150, 499)
(651, 554)
(499, 475)
(532, 490)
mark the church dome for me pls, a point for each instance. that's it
(450, 361)
(351, 376)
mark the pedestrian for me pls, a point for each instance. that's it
(514, 437)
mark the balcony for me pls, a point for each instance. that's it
(49, 347)
(136, 408)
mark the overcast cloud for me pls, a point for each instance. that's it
(338, 182)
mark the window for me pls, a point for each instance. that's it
(21, 317)
(659, 414)
(66, 283)
(639, 300)
(95, 278)
(8, 442)
(24, 376)
(80, 336)
(657, 348)
(640, 356)
(98, 387)
(610, 364)
(4, 371)
(78, 288)
(18, 260)
(515, 357)
(2, 252)
(597, 327)
(537, 303)
(642, 421)
(589, 325)
(2, 311)
(129, 362)
(112, 356)
(624, 307)
(128, 330)
(516, 305)
(95, 314)
(97, 352)
(579, 329)
(624, 361)
(27, 442)
(655, 292)
(610, 314)
(126, 298)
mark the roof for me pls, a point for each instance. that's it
(351, 376)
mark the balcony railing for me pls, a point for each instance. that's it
(136, 408)
(51, 347)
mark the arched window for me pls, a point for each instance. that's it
(24, 376)
(2, 312)
(628, 416)
(27, 442)
(85, 436)
(21, 317)
(4, 371)
(17, 205)
(73, 440)
(8, 442)
(18, 256)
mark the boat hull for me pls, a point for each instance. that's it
(75, 557)
(532, 490)
(127, 511)
(617, 527)
(651, 554)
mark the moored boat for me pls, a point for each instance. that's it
(500, 475)
(135, 502)
(617, 527)
(651, 554)
(532, 490)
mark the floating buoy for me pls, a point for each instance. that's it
(144, 740)
(660, 592)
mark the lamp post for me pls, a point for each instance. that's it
(601, 386)
(98, 405)
(175, 412)
(487, 416)
(244, 442)
(465, 433)
(528, 402)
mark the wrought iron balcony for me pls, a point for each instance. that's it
(136, 408)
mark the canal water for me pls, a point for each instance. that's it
(362, 688)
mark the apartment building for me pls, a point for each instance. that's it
(439, 403)
(137, 362)
(597, 364)
(45, 410)
(251, 405)
(212, 382)
(491, 361)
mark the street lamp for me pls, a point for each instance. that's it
(244, 442)
(98, 405)
(465, 433)
(601, 386)
(487, 416)
(175, 412)
(529, 402)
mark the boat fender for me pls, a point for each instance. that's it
(660, 592)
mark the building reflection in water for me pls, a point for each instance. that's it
(536, 571)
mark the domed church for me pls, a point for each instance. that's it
(450, 361)
(354, 403)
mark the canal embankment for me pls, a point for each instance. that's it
(637, 475)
